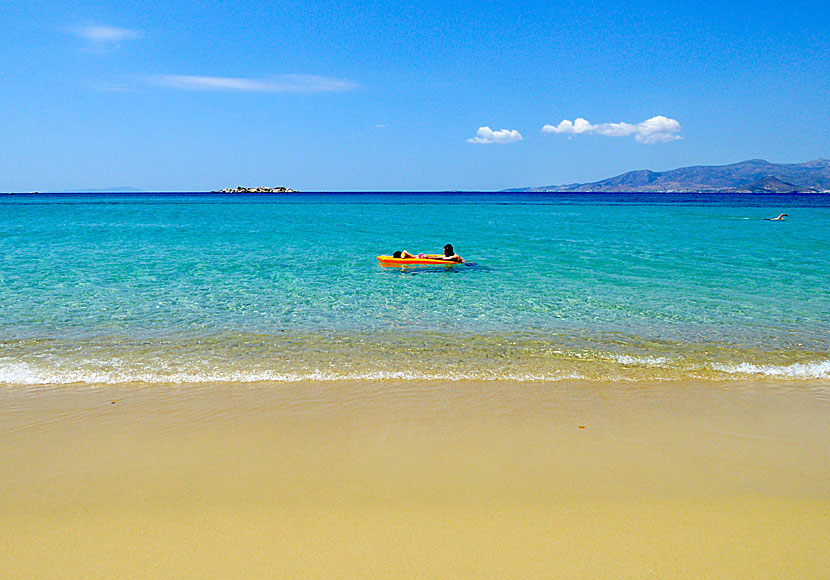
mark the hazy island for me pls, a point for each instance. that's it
(754, 176)
(240, 189)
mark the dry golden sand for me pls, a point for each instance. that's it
(407, 480)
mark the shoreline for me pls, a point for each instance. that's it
(413, 479)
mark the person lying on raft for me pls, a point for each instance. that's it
(449, 255)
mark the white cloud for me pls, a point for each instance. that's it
(279, 84)
(485, 135)
(102, 38)
(658, 129)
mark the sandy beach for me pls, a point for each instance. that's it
(416, 480)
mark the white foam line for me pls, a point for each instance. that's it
(24, 374)
(647, 361)
(21, 373)
(814, 370)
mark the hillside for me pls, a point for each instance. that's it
(754, 176)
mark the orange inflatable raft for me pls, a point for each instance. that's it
(393, 261)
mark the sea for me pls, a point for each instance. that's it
(194, 288)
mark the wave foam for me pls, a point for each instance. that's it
(814, 370)
(25, 374)
(631, 368)
(647, 361)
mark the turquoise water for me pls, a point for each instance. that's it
(190, 288)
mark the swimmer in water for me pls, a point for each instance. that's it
(449, 255)
(777, 219)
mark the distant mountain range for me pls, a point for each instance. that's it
(754, 176)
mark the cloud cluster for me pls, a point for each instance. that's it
(658, 129)
(486, 136)
(279, 84)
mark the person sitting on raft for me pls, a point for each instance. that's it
(449, 255)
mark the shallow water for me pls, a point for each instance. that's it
(193, 288)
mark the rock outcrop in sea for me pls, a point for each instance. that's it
(240, 189)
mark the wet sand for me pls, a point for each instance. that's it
(413, 480)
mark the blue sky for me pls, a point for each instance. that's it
(375, 95)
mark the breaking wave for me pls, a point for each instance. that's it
(624, 368)
(24, 374)
(813, 370)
